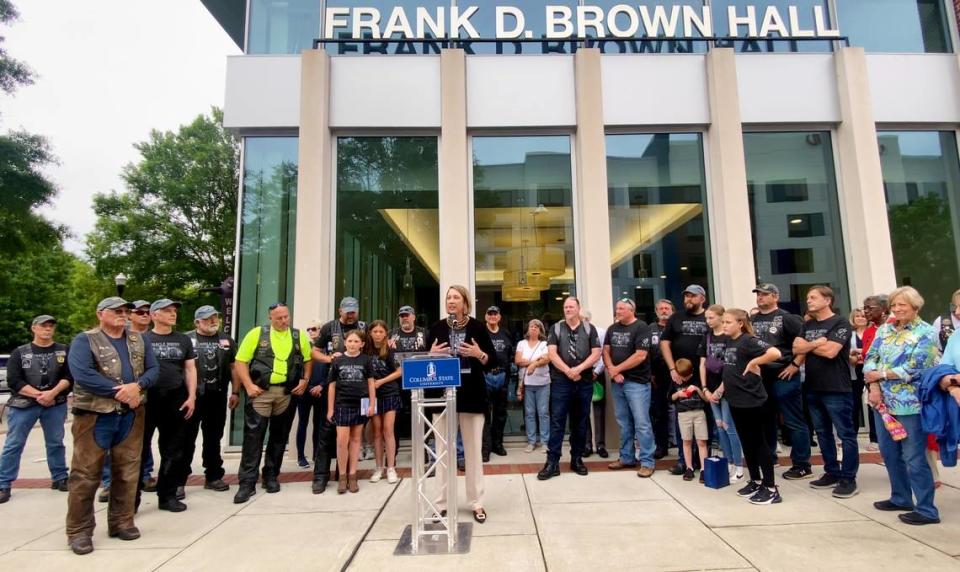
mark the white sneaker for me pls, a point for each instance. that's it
(528, 449)
(377, 475)
(366, 454)
(736, 475)
(392, 475)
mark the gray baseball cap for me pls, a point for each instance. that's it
(349, 304)
(140, 304)
(112, 303)
(163, 303)
(406, 310)
(696, 290)
(204, 312)
(43, 319)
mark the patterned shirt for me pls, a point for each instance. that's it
(906, 352)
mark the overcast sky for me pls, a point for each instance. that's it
(107, 73)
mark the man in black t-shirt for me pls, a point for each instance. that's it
(625, 352)
(824, 347)
(495, 418)
(170, 402)
(39, 380)
(215, 353)
(681, 339)
(781, 379)
(573, 348)
(661, 382)
(408, 337)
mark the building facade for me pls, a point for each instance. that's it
(605, 167)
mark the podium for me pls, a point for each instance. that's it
(433, 417)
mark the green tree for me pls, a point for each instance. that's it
(13, 73)
(172, 230)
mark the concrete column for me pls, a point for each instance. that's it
(313, 288)
(731, 246)
(863, 206)
(455, 204)
(595, 284)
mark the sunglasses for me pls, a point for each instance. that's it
(141, 312)
(311, 329)
(276, 305)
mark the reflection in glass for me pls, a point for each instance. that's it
(282, 26)
(794, 215)
(650, 46)
(267, 236)
(658, 239)
(387, 239)
(921, 179)
(535, 21)
(523, 234)
(895, 26)
(805, 17)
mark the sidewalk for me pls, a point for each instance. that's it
(605, 520)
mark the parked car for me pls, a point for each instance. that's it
(4, 358)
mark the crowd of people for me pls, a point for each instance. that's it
(697, 375)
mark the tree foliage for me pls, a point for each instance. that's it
(13, 72)
(172, 230)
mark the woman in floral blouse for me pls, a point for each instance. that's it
(892, 370)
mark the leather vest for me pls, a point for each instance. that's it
(212, 364)
(261, 366)
(40, 374)
(108, 362)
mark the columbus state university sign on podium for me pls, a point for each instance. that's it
(433, 417)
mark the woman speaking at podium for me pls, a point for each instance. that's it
(463, 336)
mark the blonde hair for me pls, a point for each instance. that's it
(955, 299)
(853, 315)
(909, 295)
(717, 309)
(741, 316)
(465, 294)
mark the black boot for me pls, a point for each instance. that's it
(244, 494)
(578, 467)
(319, 485)
(548, 471)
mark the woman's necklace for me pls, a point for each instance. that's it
(458, 324)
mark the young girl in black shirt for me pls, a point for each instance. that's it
(742, 386)
(351, 379)
(386, 380)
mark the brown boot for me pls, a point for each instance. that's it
(352, 484)
(342, 485)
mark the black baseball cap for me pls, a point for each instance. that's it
(493, 310)
(767, 288)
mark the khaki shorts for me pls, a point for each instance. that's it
(271, 402)
(693, 425)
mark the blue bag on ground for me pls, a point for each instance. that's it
(716, 473)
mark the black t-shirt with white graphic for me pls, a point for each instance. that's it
(624, 341)
(172, 351)
(351, 375)
(504, 347)
(778, 328)
(828, 374)
(713, 345)
(692, 403)
(382, 367)
(684, 332)
(743, 390)
(332, 335)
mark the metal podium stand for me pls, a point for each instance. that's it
(431, 533)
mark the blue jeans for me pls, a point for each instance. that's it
(631, 404)
(727, 432)
(829, 410)
(569, 398)
(907, 466)
(536, 406)
(19, 423)
(788, 397)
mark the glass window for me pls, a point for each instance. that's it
(794, 215)
(387, 240)
(658, 232)
(921, 179)
(282, 26)
(535, 21)
(267, 235)
(523, 234)
(896, 26)
(805, 17)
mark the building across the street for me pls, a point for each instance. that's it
(591, 148)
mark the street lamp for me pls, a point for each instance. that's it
(121, 281)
